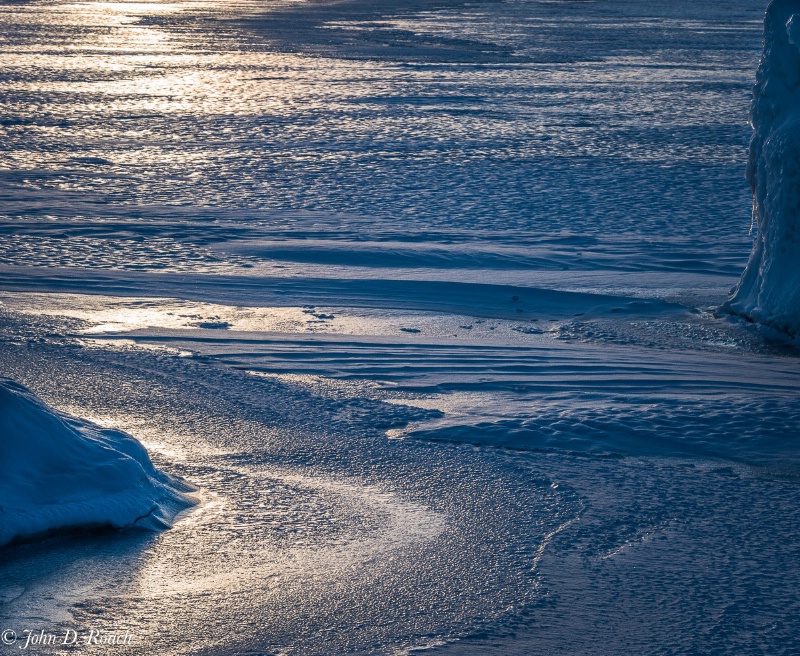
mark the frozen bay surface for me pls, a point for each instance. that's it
(422, 300)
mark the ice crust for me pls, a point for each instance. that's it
(60, 472)
(769, 290)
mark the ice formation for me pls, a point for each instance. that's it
(769, 290)
(58, 472)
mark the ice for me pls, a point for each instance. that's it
(60, 472)
(769, 291)
(419, 296)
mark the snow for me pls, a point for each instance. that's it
(769, 291)
(59, 472)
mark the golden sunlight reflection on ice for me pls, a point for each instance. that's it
(128, 321)
(221, 546)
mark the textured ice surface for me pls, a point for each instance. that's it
(59, 473)
(769, 291)
(659, 480)
(421, 297)
(313, 532)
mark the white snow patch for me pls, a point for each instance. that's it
(58, 472)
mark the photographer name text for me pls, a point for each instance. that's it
(28, 638)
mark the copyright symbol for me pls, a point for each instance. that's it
(8, 637)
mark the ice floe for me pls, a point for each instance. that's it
(60, 473)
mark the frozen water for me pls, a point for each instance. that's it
(62, 473)
(421, 297)
(769, 291)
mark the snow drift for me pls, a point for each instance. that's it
(59, 472)
(769, 290)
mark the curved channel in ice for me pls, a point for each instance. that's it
(219, 548)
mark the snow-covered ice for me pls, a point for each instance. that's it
(769, 291)
(61, 473)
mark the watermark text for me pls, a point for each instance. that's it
(30, 639)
